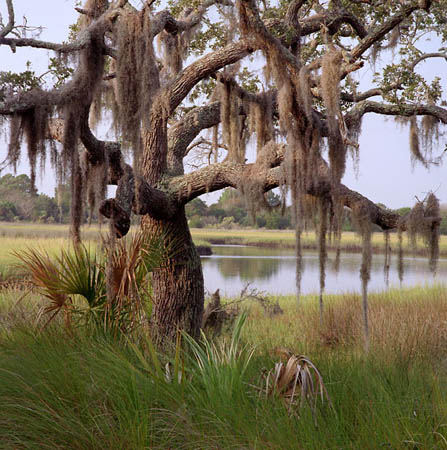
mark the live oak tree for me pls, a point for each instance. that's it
(176, 79)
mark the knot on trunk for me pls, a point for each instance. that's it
(120, 218)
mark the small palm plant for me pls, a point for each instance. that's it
(296, 381)
(75, 282)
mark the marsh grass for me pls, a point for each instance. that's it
(405, 323)
(51, 238)
(82, 390)
(12, 234)
(350, 241)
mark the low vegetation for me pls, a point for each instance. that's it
(86, 388)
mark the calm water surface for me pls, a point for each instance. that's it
(230, 268)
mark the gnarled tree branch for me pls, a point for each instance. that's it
(10, 25)
(402, 109)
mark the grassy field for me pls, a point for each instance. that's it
(350, 242)
(50, 237)
(262, 238)
(82, 390)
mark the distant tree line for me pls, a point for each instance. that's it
(20, 202)
(231, 211)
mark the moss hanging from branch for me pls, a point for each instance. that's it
(225, 113)
(322, 250)
(330, 83)
(294, 169)
(252, 183)
(387, 259)
(400, 255)
(362, 220)
(415, 148)
(305, 93)
(431, 231)
(303, 145)
(96, 177)
(77, 197)
(330, 91)
(32, 125)
(415, 224)
(337, 149)
(430, 134)
(86, 82)
(35, 126)
(15, 138)
(423, 222)
(232, 125)
(173, 53)
(137, 76)
(354, 131)
(261, 119)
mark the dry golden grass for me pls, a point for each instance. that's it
(403, 323)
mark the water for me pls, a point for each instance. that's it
(230, 268)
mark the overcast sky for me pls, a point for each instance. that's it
(385, 172)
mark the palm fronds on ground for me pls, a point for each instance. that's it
(297, 381)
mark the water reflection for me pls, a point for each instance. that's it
(230, 268)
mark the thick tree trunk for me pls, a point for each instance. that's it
(178, 292)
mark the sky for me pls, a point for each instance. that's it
(385, 173)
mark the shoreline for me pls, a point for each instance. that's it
(350, 242)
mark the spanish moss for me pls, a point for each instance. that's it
(173, 52)
(232, 126)
(137, 76)
(35, 124)
(322, 250)
(15, 137)
(387, 259)
(305, 92)
(430, 133)
(415, 148)
(330, 91)
(354, 131)
(415, 224)
(400, 255)
(363, 223)
(261, 119)
(76, 198)
(431, 232)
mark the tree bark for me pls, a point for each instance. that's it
(178, 289)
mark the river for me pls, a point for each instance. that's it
(231, 267)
